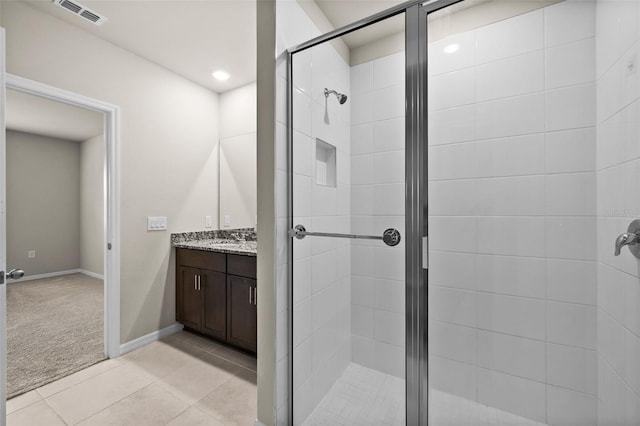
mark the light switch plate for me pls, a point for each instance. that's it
(31, 254)
(227, 221)
(208, 222)
(156, 223)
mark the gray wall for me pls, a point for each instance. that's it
(43, 203)
(265, 126)
(169, 148)
(92, 205)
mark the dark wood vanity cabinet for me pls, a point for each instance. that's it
(241, 312)
(189, 298)
(216, 296)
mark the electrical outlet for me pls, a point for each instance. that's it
(208, 222)
(227, 221)
(31, 254)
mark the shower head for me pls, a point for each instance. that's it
(342, 98)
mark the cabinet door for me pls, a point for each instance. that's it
(214, 291)
(189, 299)
(241, 266)
(241, 312)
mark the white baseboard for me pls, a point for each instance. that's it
(91, 274)
(149, 338)
(258, 423)
(56, 274)
(41, 276)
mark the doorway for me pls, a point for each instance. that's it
(54, 159)
(97, 232)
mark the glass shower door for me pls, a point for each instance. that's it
(348, 201)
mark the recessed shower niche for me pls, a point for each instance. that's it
(325, 164)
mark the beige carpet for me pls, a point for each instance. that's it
(54, 328)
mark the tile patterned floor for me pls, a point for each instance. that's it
(181, 380)
(188, 380)
(363, 396)
(451, 410)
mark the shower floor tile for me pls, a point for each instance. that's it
(366, 397)
(450, 410)
(361, 397)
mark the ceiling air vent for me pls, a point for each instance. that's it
(70, 6)
(81, 10)
(90, 16)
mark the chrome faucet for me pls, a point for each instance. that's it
(630, 238)
(626, 239)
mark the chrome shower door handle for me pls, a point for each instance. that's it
(630, 238)
(390, 237)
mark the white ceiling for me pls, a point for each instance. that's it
(190, 38)
(344, 12)
(193, 38)
(480, 12)
(33, 114)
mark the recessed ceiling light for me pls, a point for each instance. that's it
(451, 48)
(221, 75)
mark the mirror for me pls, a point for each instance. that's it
(238, 158)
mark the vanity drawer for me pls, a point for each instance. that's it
(241, 266)
(200, 259)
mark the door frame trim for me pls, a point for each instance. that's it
(111, 195)
(3, 233)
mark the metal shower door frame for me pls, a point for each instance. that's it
(416, 198)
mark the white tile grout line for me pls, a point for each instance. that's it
(81, 381)
(54, 410)
(112, 404)
(210, 352)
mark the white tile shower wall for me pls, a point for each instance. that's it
(322, 266)
(377, 200)
(512, 199)
(293, 27)
(618, 182)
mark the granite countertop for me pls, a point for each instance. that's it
(231, 241)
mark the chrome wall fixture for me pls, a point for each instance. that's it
(342, 98)
(631, 238)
